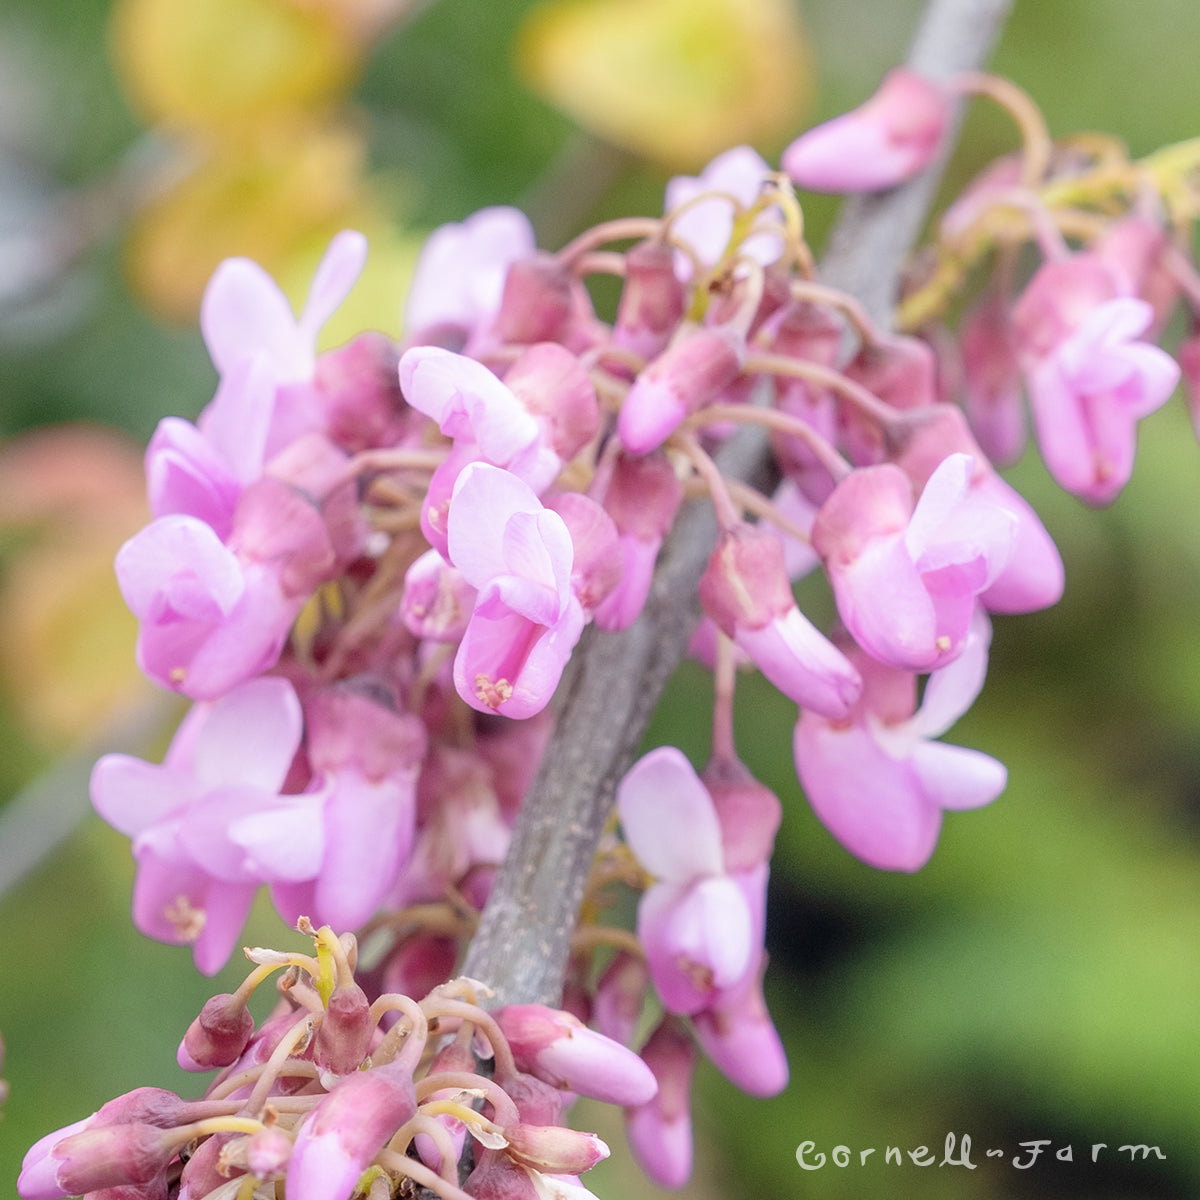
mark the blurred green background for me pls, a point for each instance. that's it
(1040, 979)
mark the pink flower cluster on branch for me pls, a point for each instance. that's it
(369, 568)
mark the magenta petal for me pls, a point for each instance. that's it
(873, 804)
(802, 663)
(660, 797)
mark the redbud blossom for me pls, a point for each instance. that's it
(906, 576)
(1090, 379)
(706, 225)
(685, 377)
(217, 1036)
(343, 1133)
(642, 495)
(694, 922)
(652, 300)
(993, 379)
(526, 618)
(885, 141)
(880, 783)
(745, 590)
(459, 277)
(209, 824)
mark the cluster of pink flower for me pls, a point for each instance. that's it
(360, 559)
(332, 1091)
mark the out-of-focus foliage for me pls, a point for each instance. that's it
(69, 496)
(676, 80)
(1037, 980)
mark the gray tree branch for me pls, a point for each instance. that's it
(613, 681)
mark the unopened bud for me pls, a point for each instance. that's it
(217, 1036)
(344, 1035)
(652, 300)
(684, 378)
(555, 1149)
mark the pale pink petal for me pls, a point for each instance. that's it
(660, 797)
(336, 275)
(952, 689)
(368, 834)
(485, 498)
(178, 564)
(467, 401)
(132, 795)
(459, 277)
(954, 777)
(698, 938)
(186, 476)
(250, 736)
(244, 314)
(886, 607)
(740, 1039)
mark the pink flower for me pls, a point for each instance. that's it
(906, 576)
(459, 277)
(879, 782)
(993, 379)
(660, 1131)
(265, 356)
(642, 495)
(365, 758)
(746, 592)
(526, 619)
(880, 144)
(210, 823)
(689, 374)
(208, 620)
(1089, 394)
(707, 225)
(694, 921)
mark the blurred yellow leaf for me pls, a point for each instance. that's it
(289, 186)
(675, 80)
(74, 493)
(217, 63)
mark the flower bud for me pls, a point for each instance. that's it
(652, 300)
(344, 1035)
(537, 301)
(560, 1049)
(685, 377)
(660, 1131)
(880, 144)
(217, 1036)
(555, 1149)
